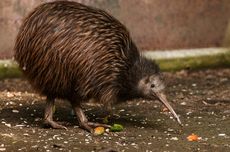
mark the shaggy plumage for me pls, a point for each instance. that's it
(71, 51)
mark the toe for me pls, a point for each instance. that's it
(93, 124)
(54, 125)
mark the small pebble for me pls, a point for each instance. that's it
(15, 111)
(37, 119)
(183, 103)
(34, 146)
(20, 125)
(221, 135)
(8, 125)
(26, 134)
(194, 84)
(9, 95)
(174, 138)
(170, 130)
(2, 149)
(188, 113)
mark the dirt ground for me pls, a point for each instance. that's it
(201, 98)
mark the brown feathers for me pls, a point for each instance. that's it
(71, 51)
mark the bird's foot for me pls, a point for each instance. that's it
(54, 125)
(89, 126)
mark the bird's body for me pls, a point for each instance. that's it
(71, 51)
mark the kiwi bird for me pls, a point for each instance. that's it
(75, 52)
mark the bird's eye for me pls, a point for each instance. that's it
(152, 85)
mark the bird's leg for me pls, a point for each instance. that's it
(48, 118)
(83, 121)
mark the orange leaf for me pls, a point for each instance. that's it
(193, 137)
(99, 130)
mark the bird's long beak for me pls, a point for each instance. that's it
(163, 99)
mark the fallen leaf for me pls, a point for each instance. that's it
(116, 128)
(99, 130)
(193, 137)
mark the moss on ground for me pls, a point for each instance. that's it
(9, 69)
(201, 62)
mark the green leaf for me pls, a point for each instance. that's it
(116, 128)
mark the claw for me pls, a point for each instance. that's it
(94, 124)
(83, 121)
(54, 125)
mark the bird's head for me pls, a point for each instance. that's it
(152, 87)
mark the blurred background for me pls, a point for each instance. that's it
(153, 24)
(189, 39)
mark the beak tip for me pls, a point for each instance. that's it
(178, 120)
(163, 99)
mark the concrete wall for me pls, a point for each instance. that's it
(154, 24)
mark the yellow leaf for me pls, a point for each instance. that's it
(99, 130)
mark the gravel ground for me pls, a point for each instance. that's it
(201, 98)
